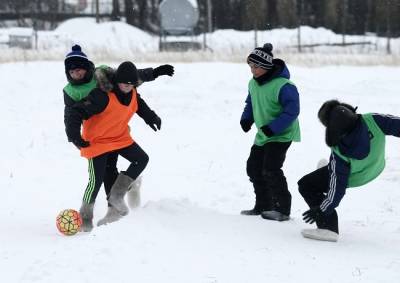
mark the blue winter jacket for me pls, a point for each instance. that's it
(288, 98)
(354, 145)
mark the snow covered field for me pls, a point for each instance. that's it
(188, 228)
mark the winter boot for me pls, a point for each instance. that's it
(281, 197)
(320, 234)
(112, 215)
(253, 211)
(117, 194)
(274, 215)
(263, 200)
(86, 212)
(133, 194)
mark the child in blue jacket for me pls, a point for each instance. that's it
(357, 157)
(273, 106)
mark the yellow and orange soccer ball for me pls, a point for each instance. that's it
(69, 222)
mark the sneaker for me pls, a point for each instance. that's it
(320, 234)
(274, 215)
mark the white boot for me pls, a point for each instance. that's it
(320, 234)
(118, 191)
(112, 215)
(133, 194)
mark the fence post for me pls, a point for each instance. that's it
(388, 27)
(97, 12)
(300, 7)
(344, 18)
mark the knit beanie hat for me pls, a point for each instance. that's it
(339, 119)
(76, 59)
(262, 56)
(126, 73)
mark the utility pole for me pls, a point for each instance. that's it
(300, 22)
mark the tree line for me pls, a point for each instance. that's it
(341, 16)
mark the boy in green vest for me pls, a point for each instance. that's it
(357, 143)
(82, 78)
(273, 106)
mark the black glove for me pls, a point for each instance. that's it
(312, 215)
(267, 131)
(79, 142)
(246, 125)
(163, 70)
(155, 124)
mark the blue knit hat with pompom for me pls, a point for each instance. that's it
(76, 59)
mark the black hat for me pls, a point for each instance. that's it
(126, 73)
(76, 59)
(262, 56)
(339, 119)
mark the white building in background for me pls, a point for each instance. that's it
(89, 6)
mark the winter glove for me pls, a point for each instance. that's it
(79, 142)
(246, 125)
(163, 70)
(155, 124)
(312, 215)
(267, 131)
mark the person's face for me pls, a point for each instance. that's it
(256, 70)
(77, 74)
(125, 88)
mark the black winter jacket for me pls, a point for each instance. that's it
(97, 98)
(95, 103)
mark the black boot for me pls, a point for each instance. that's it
(281, 197)
(256, 210)
(263, 200)
(329, 222)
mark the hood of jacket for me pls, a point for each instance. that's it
(279, 70)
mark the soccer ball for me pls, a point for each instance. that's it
(69, 222)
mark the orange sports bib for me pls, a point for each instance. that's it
(108, 130)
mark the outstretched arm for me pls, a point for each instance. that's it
(150, 74)
(148, 115)
(390, 125)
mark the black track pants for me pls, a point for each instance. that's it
(98, 172)
(314, 187)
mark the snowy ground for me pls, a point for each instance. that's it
(188, 228)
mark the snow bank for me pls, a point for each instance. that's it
(118, 41)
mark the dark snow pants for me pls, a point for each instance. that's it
(98, 172)
(264, 167)
(314, 187)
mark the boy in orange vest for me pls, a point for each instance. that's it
(105, 118)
